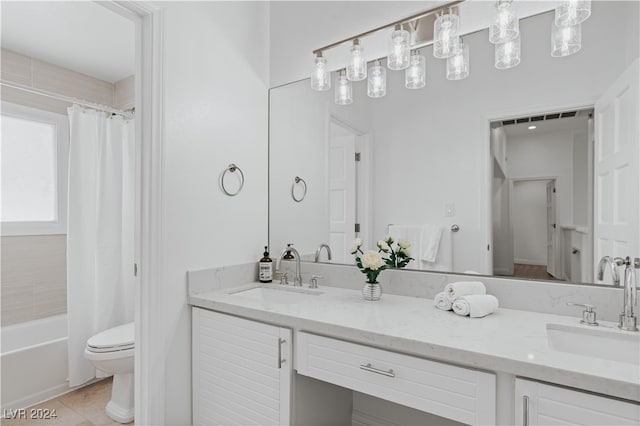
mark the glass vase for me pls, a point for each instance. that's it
(372, 291)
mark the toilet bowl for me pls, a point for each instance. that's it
(112, 352)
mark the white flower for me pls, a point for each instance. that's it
(382, 245)
(357, 243)
(372, 260)
(388, 240)
(404, 244)
(404, 251)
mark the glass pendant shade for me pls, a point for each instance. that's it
(415, 77)
(377, 81)
(507, 55)
(572, 12)
(506, 26)
(320, 76)
(357, 68)
(458, 64)
(398, 58)
(343, 91)
(445, 35)
(565, 41)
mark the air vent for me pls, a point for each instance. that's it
(554, 116)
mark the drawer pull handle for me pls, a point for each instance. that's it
(525, 411)
(368, 367)
(280, 359)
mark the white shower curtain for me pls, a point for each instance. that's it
(100, 233)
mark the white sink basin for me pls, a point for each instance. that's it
(276, 293)
(599, 342)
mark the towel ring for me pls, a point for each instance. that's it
(298, 180)
(232, 169)
(455, 228)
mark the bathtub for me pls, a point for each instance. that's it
(33, 361)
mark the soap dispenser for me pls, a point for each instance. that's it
(266, 267)
(288, 255)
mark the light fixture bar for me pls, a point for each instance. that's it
(392, 24)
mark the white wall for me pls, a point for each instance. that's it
(580, 179)
(530, 222)
(216, 109)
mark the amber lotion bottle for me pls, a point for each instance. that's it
(266, 267)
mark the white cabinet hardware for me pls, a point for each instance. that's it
(368, 367)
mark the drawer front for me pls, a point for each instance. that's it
(457, 393)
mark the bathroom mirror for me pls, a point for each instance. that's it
(462, 153)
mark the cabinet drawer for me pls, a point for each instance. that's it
(457, 393)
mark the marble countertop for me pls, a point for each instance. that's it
(509, 341)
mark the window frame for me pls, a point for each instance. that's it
(61, 124)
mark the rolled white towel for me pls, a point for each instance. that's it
(464, 288)
(442, 302)
(475, 305)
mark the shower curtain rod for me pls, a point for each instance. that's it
(69, 99)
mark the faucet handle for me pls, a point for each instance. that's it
(313, 283)
(284, 279)
(588, 314)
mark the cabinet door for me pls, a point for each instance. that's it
(541, 404)
(241, 371)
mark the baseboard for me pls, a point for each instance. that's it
(502, 271)
(45, 395)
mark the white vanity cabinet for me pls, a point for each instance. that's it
(457, 393)
(241, 371)
(542, 404)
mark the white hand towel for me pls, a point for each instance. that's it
(441, 301)
(430, 242)
(475, 305)
(464, 288)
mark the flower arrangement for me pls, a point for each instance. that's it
(371, 262)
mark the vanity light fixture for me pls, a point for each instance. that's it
(445, 35)
(458, 64)
(572, 12)
(320, 76)
(415, 77)
(377, 81)
(565, 40)
(344, 90)
(506, 26)
(507, 55)
(398, 58)
(357, 68)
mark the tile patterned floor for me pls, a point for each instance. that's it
(83, 407)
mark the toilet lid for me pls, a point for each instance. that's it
(114, 339)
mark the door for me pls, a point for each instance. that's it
(241, 371)
(552, 251)
(538, 404)
(616, 176)
(342, 195)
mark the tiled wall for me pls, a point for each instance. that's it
(34, 277)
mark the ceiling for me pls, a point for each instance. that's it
(79, 35)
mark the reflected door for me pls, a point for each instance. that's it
(617, 179)
(342, 195)
(552, 263)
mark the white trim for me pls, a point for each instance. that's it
(61, 123)
(150, 356)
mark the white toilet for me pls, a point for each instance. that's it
(112, 352)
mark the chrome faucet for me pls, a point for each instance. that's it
(297, 279)
(613, 263)
(628, 320)
(319, 249)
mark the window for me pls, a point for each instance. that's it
(33, 154)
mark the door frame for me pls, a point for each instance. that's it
(149, 20)
(486, 210)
